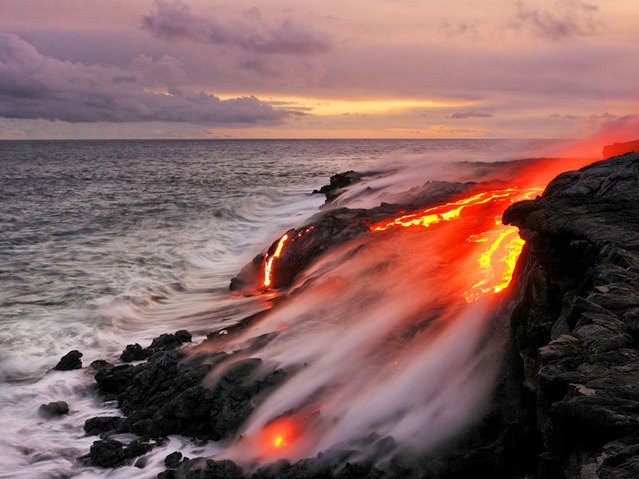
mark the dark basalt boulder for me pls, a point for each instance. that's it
(53, 409)
(104, 424)
(203, 468)
(574, 330)
(69, 361)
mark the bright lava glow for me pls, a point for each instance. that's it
(497, 261)
(269, 262)
(279, 434)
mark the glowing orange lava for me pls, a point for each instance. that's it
(448, 211)
(497, 260)
(269, 262)
(279, 434)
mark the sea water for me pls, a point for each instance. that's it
(109, 243)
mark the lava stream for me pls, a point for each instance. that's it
(496, 262)
(395, 332)
(269, 262)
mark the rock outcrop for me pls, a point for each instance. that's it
(337, 183)
(329, 229)
(69, 361)
(576, 329)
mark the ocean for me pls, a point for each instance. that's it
(109, 243)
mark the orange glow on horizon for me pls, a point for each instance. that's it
(326, 106)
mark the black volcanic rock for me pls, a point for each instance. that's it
(69, 361)
(575, 328)
(337, 183)
(103, 424)
(52, 409)
(164, 342)
(166, 394)
(112, 453)
(203, 468)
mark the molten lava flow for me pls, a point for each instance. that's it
(447, 211)
(269, 262)
(279, 435)
(504, 248)
(497, 261)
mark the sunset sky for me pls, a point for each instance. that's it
(318, 69)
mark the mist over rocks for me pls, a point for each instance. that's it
(172, 392)
(335, 226)
(337, 183)
(567, 402)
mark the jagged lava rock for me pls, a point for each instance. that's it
(575, 327)
(69, 361)
(135, 352)
(337, 183)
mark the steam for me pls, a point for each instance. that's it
(380, 343)
(382, 348)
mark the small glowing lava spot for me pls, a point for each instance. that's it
(280, 434)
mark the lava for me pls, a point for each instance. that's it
(269, 261)
(394, 332)
(279, 434)
(290, 237)
(496, 263)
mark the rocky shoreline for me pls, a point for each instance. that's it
(567, 404)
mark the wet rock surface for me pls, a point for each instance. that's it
(175, 393)
(172, 393)
(337, 183)
(69, 361)
(53, 409)
(135, 352)
(113, 453)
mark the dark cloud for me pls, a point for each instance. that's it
(471, 114)
(36, 86)
(569, 19)
(175, 20)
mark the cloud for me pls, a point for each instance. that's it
(471, 114)
(569, 19)
(175, 20)
(460, 29)
(36, 86)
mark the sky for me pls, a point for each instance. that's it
(318, 69)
